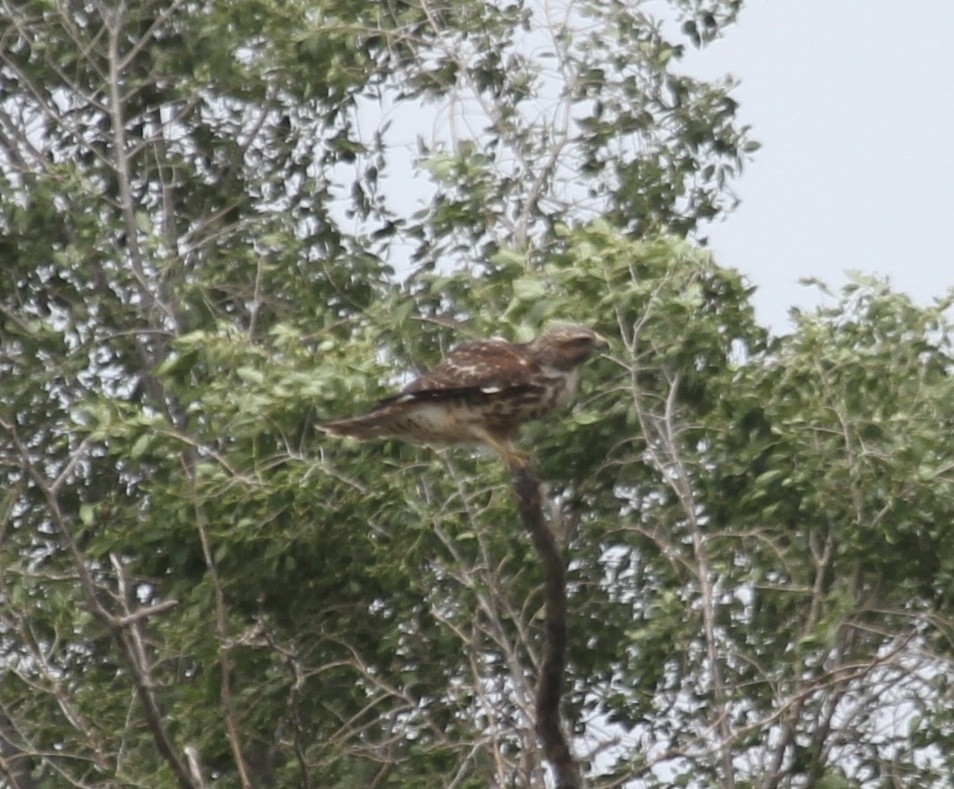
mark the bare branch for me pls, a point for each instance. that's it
(550, 691)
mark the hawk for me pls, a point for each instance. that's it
(482, 393)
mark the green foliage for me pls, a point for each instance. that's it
(200, 243)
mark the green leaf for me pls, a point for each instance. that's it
(529, 289)
(87, 514)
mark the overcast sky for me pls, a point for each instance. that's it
(853, 102)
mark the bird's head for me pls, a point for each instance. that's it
(566, 347)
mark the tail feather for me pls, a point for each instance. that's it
(362, 428)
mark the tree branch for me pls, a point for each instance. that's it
(549, 693)
(124, 628)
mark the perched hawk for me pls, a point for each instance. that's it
(482, 393)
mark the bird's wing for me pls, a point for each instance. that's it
(487, 365)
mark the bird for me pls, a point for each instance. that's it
(482, 393)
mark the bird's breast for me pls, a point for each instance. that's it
(560, 387)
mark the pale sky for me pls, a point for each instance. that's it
(853, 102)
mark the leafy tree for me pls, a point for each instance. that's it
(207, 248)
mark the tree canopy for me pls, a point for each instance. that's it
(224, 222)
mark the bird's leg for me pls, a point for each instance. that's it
(517, 461)
(514, 458)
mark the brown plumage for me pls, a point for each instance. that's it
(482, 393)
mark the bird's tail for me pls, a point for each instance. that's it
(362, 428)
